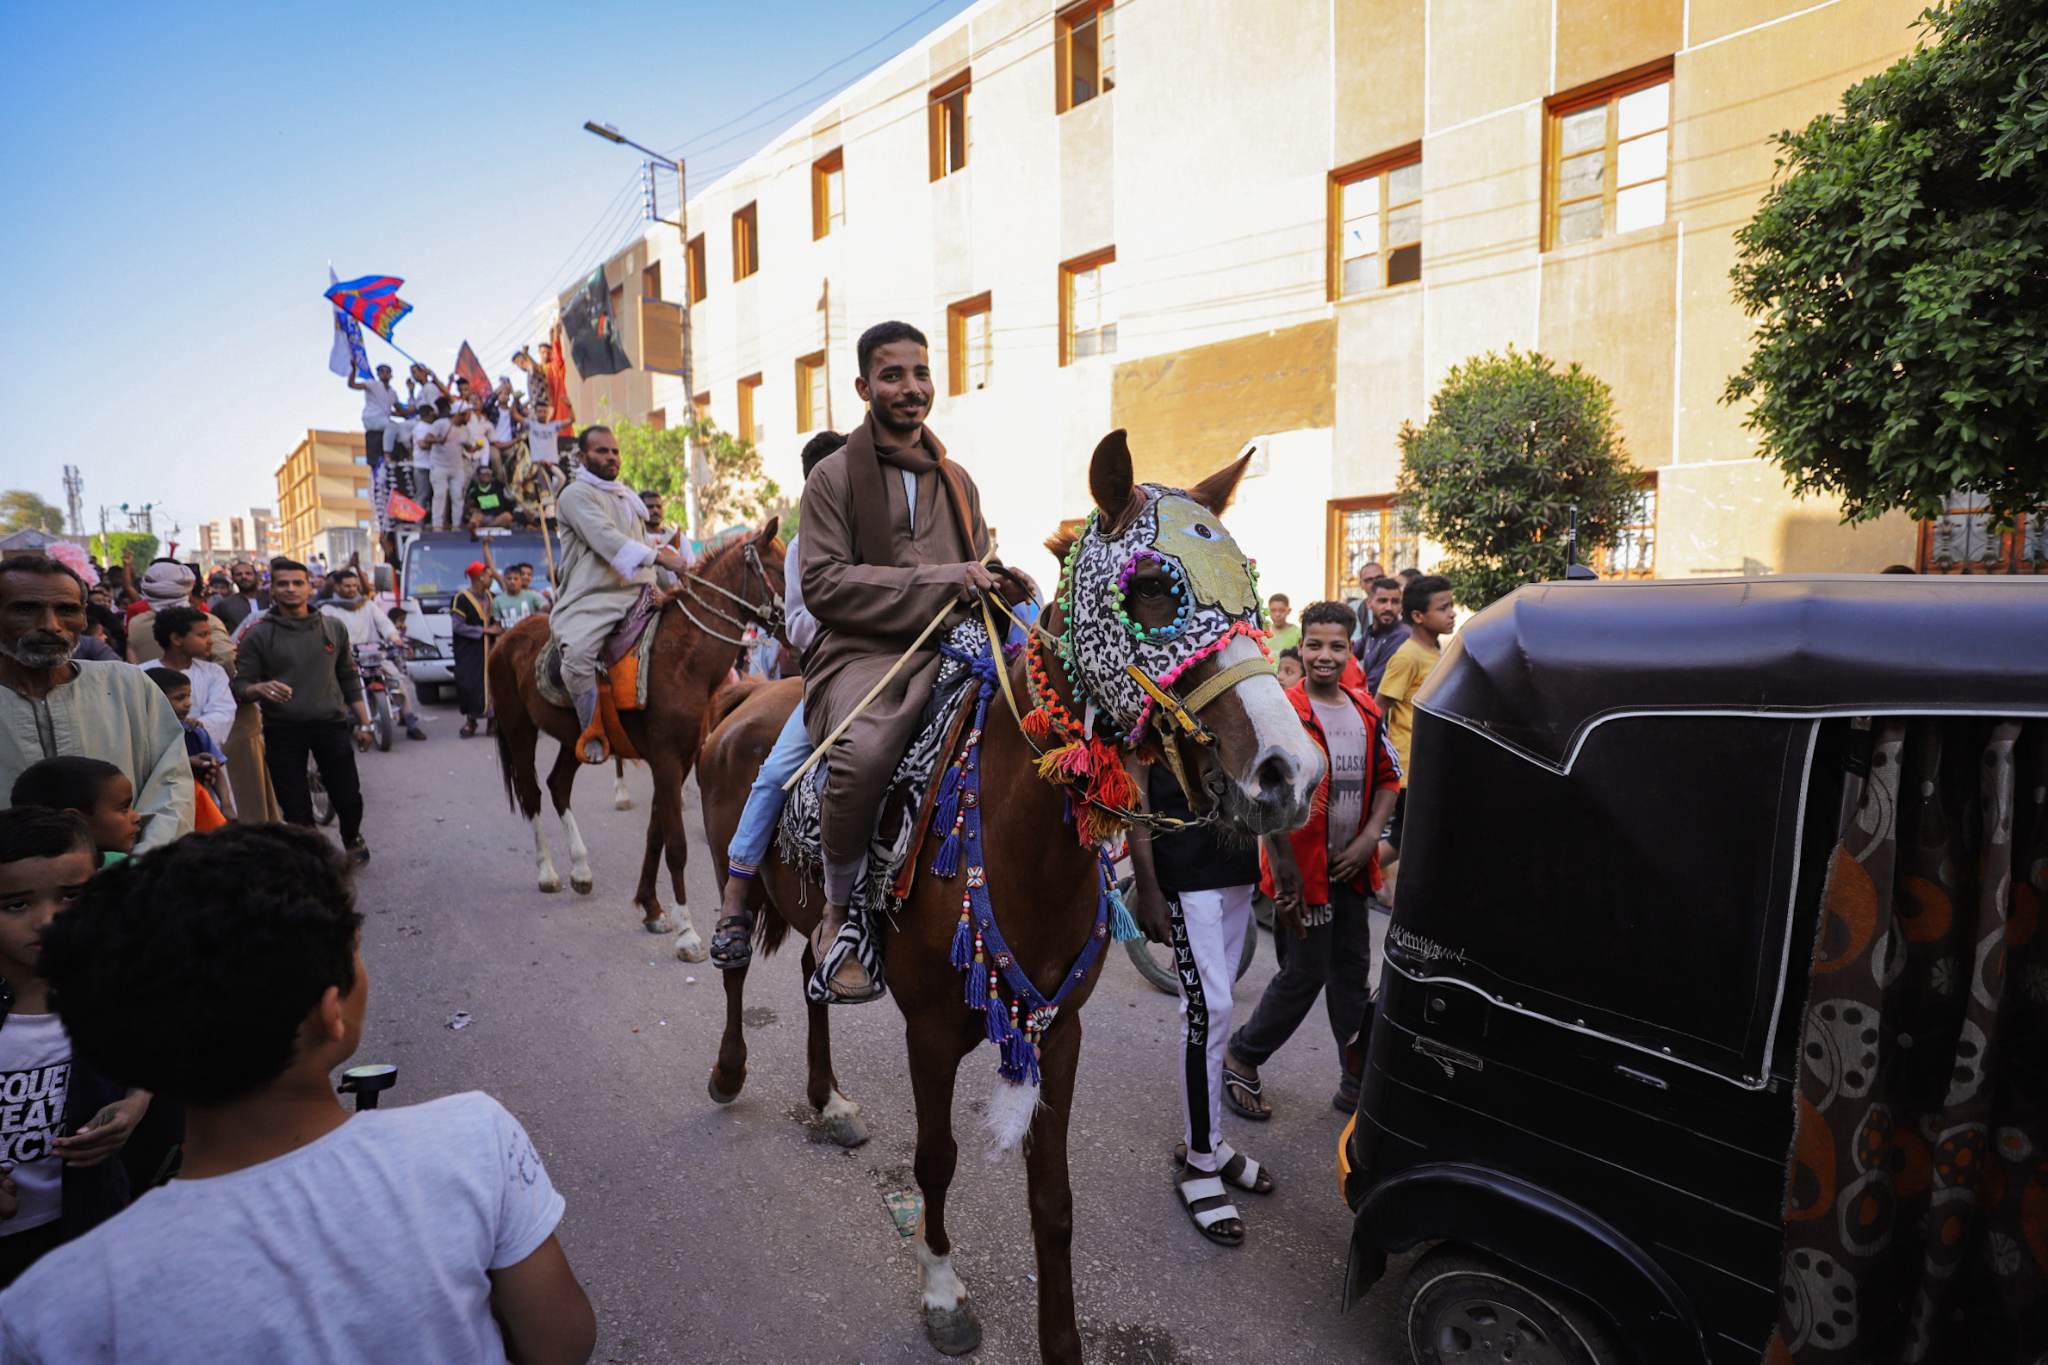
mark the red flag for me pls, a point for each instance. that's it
(558, 381)
(468, 367)
(402, 508)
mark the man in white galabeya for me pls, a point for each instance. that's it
(605, 562)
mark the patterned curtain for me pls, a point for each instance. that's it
(1916, 1217)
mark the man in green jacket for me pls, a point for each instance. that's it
(296, 664)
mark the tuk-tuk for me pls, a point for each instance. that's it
(1580, 1080)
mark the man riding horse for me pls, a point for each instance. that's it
(892, 532)
(606, 563)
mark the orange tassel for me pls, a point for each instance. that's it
(1037, 724)
(1064, 764)
(1112, 784)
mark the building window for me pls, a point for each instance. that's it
(693, 261)
(618, 303)
(1963, 539)
(1634, 551)
(746, 243)
(1366, 531)
(828, 193)
(810, 391)
(747, 431)
(1376, 224)
(1084, 53)
(657, 420)
(1609, 159)
(1088, 306)
(970, 345)
(650, 281)
(701, 405)
(947, 122)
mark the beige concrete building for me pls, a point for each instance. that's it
(323, 497)
(1280, 222)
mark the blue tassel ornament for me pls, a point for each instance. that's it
(1122, 927)
(998, 1019)
(963, 944)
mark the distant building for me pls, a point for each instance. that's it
(266, 537)
(1281, 222)
(323, 496)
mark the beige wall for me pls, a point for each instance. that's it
(320, 486)
(1207, 169)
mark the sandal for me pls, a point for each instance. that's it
(1252, 1107)
(1209, 1208)
(1236, 1168)
(732, 942)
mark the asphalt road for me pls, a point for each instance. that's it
(739, 1234)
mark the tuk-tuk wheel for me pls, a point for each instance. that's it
(1463, 1308)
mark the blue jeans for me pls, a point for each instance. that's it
(764, 803)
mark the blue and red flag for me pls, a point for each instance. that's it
(373, 301)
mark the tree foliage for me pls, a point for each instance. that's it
(1899, 267)
(21, 510)
(737, 489)
(1514, 453)
(109, 547)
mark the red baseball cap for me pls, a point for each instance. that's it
(476, 566)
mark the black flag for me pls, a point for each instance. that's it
(594, 344)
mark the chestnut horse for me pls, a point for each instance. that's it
(1261, 770)
(693, 653)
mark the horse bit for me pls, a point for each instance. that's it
(768, 613)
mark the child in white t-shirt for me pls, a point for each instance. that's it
(223, 971)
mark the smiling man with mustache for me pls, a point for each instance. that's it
(52, 704)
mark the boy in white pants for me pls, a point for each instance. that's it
(1194, 891)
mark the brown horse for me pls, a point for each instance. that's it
(695, 648)
(1261, 770)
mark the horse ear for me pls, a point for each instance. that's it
(1216, 491)
(1109, 477)
(767, 532)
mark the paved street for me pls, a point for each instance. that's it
(737, 1234)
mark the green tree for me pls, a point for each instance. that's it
(1513, 455)
(108, 548)
(21, 510)
(738, 489)
(1899, 269)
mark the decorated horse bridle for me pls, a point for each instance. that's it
(768, 612)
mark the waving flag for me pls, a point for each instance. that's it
(593, 332)
(373, 301)
(468, 367)
(348, 342)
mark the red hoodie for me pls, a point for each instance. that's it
(1311, 843)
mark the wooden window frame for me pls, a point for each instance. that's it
(2010, 555)
(1602, 561)
(825, 166)
(1079, 265)
(700, 405)
(1333, 537)
(935, 123)
(1333, 251)
(747, 389)
(694, 268)
(1064, 23)
(956, 342)
(657, 420)
(1609, 92)
(746, 240)
(650, 281)
(807, 418)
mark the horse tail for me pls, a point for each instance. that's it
(505, 769)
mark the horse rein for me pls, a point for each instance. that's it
(768, 613)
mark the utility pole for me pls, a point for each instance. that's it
(74, 498)
(682, 226)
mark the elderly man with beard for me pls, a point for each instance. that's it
(52, 704)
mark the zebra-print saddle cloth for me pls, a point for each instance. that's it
(798, 834)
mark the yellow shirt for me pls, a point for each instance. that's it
(1406, 671)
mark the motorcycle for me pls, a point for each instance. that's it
(377, 695)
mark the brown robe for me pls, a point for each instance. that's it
(867, 614)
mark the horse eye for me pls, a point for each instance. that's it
(1149, 587)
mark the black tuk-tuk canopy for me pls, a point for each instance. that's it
(1541, 669)
(1623, 796)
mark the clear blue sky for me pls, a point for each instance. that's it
(180, 177)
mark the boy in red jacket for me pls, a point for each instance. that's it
(1321, 876)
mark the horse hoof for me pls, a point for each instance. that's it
(720, 1096)
(550, 885)
(660, 924)
(623, 801)
(953, 1331)
(583, 885)
(848, 1131)
(689, 947)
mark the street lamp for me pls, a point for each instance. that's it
(682, 225)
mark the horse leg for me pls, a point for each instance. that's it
(950, 1321)
(729, 1072)
(646, 898)
(622, 799)
(516, 744)
(843, 1123)
(668, 809)
(561, 785)
(1052, 1195)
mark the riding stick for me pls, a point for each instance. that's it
(883, 682)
